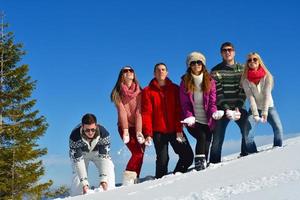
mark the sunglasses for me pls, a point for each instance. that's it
(227, 49)
(198, 62)
(252, 60)
(93, 130)
(127, 70)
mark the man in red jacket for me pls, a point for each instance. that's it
(161, 112)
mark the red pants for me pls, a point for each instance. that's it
(137, 151)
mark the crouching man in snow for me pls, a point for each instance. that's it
(90, 142)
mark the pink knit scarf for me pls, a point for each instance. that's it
(129, 93)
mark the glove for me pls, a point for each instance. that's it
(236, 114)
(229, 114)
(148, 141)
(218, 114)
(180, 137)
(233, 114)
(125, 136)
(190, 121)
(140, 138)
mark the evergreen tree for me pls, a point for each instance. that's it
(60, 192)
(20, 126)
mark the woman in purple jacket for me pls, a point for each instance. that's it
(198, 102)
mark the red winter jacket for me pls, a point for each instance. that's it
(161, 110)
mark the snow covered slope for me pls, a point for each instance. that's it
(273, 173)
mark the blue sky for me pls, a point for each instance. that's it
(75, 50)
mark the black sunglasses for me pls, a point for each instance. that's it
(227, 49)
(127, 70)
(93, 130)
(252, 59)
(198, 62)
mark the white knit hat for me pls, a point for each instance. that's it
(194, 56)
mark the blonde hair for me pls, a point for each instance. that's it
(261, 63)
(115, 93)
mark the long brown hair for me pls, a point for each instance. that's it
(190, 84)
(115, 93)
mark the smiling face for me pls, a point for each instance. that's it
(196, 67)
(228, 54)
(253, 62)
(128, 74)
(89, 130)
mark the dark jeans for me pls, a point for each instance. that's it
(183, 150)
(219, 135)
(203, 135)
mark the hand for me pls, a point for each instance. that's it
(218, 114)
(104, 185)
(140, 137)
(148, 141)
(229, 114)
(236, 114)
(264, 118)
(180, 137)
(85, 189)
(233, 114)
(125, 136)
(190, 121)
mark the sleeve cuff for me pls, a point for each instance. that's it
(264, 113)
(84, 183)
(103, 179)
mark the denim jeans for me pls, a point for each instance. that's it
(275, 122)
(219, 135)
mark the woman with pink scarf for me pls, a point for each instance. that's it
(126, 95)
(258, 83)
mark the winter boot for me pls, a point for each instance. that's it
(129, 178)
(200, 162)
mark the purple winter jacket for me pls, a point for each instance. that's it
(209, 103)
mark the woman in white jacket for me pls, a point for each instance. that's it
(258, 83)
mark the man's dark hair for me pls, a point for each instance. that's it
(161, 63)
(89, 119)
(226, 44)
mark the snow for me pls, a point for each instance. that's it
(273, 173)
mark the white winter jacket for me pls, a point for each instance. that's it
(259, 95)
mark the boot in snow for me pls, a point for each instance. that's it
(200, 162)
(129, 178)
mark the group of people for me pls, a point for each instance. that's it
(204, 103)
